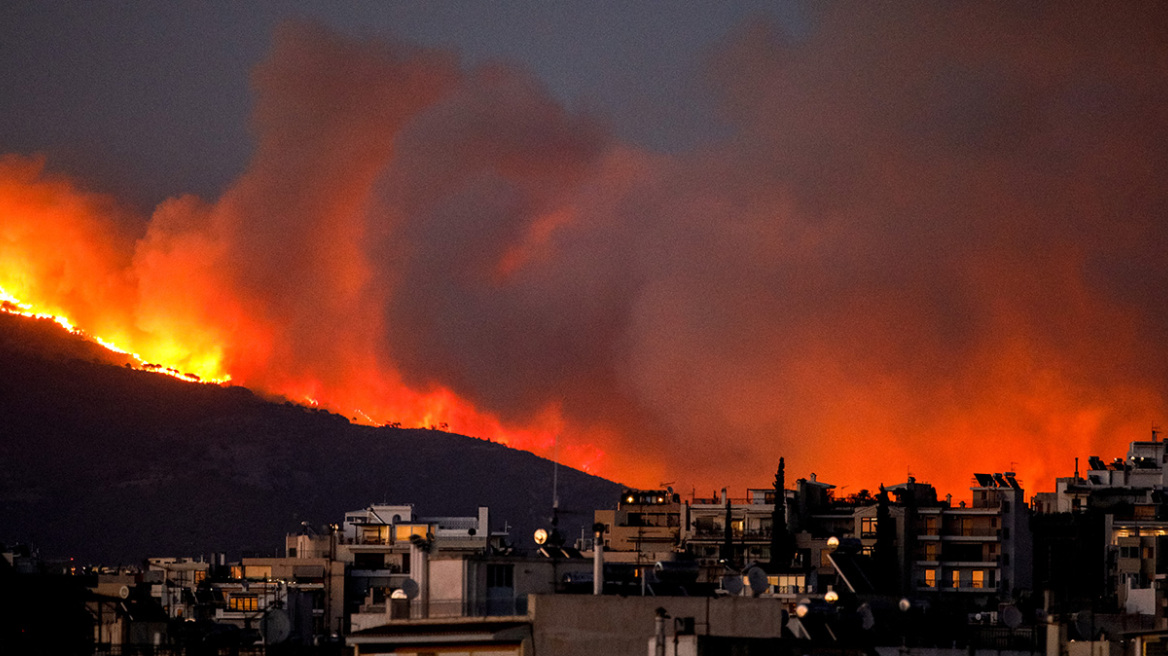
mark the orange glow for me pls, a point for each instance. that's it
(60, 261)
(929, 256)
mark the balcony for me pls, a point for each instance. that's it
(492, 606)
(735, 536)
(973, 533)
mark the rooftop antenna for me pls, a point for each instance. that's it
(1155, 431)
(556, 474)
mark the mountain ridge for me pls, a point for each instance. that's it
(109, 464)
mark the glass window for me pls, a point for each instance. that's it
(930, 578)
(500, 576)
(867, 527)
(243, 602)
(978, 578)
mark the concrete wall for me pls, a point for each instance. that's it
(447, 584)
(567, 625)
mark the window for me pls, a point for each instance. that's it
(1129, 552)
(931, 551)
(867, 527)
(956, 579)
(930, 578)
(403, 532)
(368, 560)
(930, 526)
(978, 578)
(500, 576)
(243, 602)
(788, 582)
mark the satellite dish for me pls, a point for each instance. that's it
(410, 588)
(398, 594)
(732, 583)
(1085, 623)
(124, 592)
(757, 580)
(904, 605)
(867, 619)
(1011, 617)
(276, 626)
(541, 536)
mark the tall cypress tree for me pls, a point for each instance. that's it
(885, 555)
(782, 550)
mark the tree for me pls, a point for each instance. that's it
(782, 544)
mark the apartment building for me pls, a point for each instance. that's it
(1122, 502)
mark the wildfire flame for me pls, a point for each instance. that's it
(940, 252)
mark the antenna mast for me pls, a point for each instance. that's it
(556, 473)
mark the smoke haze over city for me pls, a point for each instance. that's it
(873, 239)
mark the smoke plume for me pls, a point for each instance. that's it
(931, 242)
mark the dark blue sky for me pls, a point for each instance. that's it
(152, 99)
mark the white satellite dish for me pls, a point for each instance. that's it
(398, 594)
(410, 588)
(276, 626)
(124, 592)
(732, 583)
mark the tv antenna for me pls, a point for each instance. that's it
(555, 473)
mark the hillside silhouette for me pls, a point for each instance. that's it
(108, 464)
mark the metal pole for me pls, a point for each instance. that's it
(598, 560)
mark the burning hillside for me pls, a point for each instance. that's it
(931, 240)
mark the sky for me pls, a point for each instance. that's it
(666, 242)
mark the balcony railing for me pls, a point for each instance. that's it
(973, 533)
(503, 606)
(756, 534)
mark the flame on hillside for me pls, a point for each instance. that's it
(941, 251)
(9, 304)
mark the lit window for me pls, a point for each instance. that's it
(956, 579)
(930, 578)
(243, 602)
(402, 532)
(978, 578)
(867, 527)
